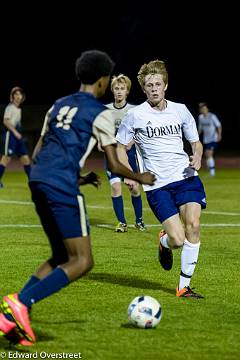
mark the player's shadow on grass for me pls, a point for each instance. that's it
(40, 336)
(59, 322)
(130, 281)
(102, 224)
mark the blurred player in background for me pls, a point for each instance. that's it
(120, 87)
(13, 140)
(210, 126)
(72, 127)
(157, 127)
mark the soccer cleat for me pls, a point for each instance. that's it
(121, 227)
(165, 255)
(1, 185)
(18, 340)
(187, 292)
(10, 331)
(11, 305)
(6, 326)
(140, 226)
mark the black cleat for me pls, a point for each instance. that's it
(140, 226)
(187, 292)
(165, 255)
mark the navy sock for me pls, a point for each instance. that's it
(32, 281)
(137, 204)
(118, 208)
(27, 169)
(52, 283)
(2, 169)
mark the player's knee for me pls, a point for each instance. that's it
(83, 265)
(192, 228)
(5, 160)
(135, 190)
(177, 240)
(116, 189)
(60, 259)
(25, 160)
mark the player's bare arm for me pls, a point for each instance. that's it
(196, 158)
(123, 158)
(10, 127)
(219, 132)
(118, 168)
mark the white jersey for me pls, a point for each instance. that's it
(13, 114)
(208, 125)
(119, 113)
(158, 136)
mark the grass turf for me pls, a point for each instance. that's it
(90, 316)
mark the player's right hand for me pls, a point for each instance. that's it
(147, 178)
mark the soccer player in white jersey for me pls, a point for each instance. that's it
(120, 87)
(13, 140)
(176, 198)
(211, 128)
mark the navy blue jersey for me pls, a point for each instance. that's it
(76, 123)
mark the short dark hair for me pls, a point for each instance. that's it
(13, 92)
(202, 104)
(92, 65)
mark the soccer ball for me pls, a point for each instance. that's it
(144, 312)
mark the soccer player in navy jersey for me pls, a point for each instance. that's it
(157, 127)
(120, 86)
(71, 129)
(13, 140)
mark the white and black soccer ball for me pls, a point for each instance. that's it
(144, 312)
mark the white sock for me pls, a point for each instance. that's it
(164, 241)
(189, 257)
(211, 165)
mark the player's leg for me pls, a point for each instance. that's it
(72, 223)
(210, 160)
(135, 191)
(24, 158)
(137, 205)
(164, 208)
(59, 252)
(190, 215)
(117, 201)
(5, 160)
(191, 198)
(9, 150)
(80, 261)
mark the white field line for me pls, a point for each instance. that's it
(15, 202)
(109, 226)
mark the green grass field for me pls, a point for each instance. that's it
(90, 316)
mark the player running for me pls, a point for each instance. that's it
(157, 127)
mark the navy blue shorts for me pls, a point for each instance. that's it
(14, 146)
(62, 215)
(132, 159)
(165, 201)
(210, 146)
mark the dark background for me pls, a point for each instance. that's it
(199, 45)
